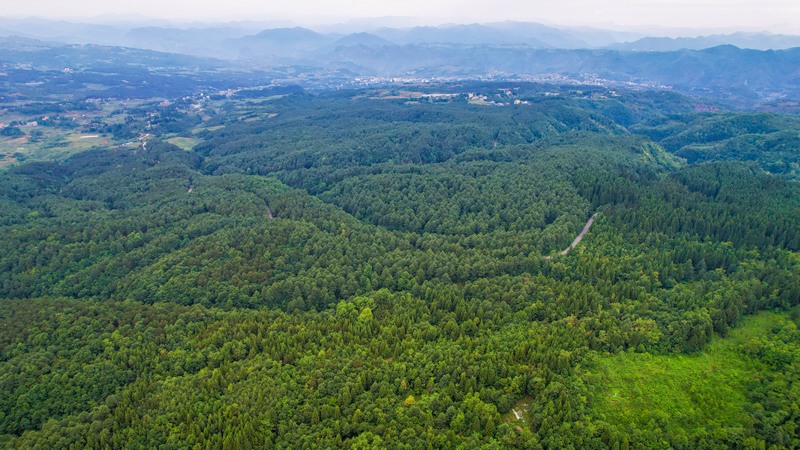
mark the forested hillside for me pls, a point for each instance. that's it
(770, 140)
(341, 270)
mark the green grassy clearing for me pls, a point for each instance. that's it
(184, 142)
(707, 389)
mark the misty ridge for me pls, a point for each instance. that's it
(744, 67)
(243, 40)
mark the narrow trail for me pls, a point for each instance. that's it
(578, 238)
(270, 216)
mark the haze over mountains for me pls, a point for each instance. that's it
(755, 41)
(228, 40)
(746, 67)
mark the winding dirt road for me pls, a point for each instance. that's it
(578, 238)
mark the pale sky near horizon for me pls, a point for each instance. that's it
(770, 15)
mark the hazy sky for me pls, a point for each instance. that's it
(772, 15)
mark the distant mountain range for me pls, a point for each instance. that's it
(708, 66)
(756, 41)
(53, 56)
(244, 40)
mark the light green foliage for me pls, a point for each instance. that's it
(680, 399)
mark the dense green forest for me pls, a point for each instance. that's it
(345, 271)
(770, 140)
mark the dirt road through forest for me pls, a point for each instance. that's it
(578, 238)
